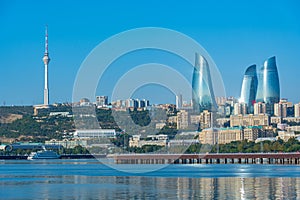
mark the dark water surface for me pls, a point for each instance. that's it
(89, 179)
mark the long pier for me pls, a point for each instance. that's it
(218, 158)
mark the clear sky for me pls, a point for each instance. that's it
(236, 34)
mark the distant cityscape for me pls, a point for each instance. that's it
(259, 114)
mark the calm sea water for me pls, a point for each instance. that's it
(89, 179)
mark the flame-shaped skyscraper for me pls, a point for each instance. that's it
(46, 60)
(203, 93)
(268, 90)
(249, 87)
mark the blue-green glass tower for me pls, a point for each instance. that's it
(268, 90)
(203, 95)
(249, 87)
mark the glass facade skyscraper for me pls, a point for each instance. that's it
(268, 90)
(249, 87)
(203, 95)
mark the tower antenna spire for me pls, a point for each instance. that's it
(46, 39)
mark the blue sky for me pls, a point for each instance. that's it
(236, 34)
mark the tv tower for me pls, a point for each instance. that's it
(46, 60)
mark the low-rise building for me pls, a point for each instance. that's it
(266, 131)
(67, 143)
(183, 142)
(172, 119)
(101, 101)
(63, 114)
(293, 128)
(222, 121)
(282, 126)
(272, 139)
(250, 120)
(209, 136)
(160, 125)
(95, 133)
(251, 133)
(276, 120)
(292, 119)
(284, 135)
(159, 140)
(227, 135)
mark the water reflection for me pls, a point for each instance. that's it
(124, 187)
(91, 180)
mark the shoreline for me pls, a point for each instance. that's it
(236, 158)
(66, 156)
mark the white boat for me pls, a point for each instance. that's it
(43, 154)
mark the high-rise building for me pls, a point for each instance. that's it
(131, 103)
(260, 108)
(249, 88)
(179, 101)
(297, 110)
(101, 101)
(240, 108)
(206, 119)
(221, 100)
(203, 95)
(268, 90)
(147, 103)
(280, 109)
(141, 103)
(46, 60)
(182, 119)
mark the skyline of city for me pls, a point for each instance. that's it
(150, 99)
(258, 86)
(246, 40)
